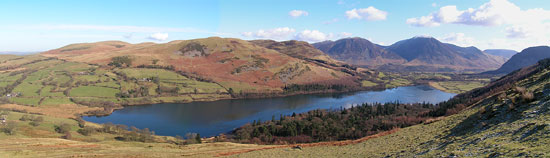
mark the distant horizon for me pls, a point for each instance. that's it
(37, 52)
(34, 26)
(157, 42)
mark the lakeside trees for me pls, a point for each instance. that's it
(322, 125)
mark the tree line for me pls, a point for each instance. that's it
(331, 125)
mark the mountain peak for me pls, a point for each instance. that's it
(358, 51)
(423, 37)
(422, 50)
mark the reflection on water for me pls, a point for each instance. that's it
(212, 118)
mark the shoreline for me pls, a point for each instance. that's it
(257, 96)
(214, 133)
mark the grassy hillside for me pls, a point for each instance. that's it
(48, 83)
(512, 122)
(233, 63)
(106, 75)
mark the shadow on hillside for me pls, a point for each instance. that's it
(490, 114)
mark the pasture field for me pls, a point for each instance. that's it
(457, 86)
(366, 83)
(26, 101)
(94, 91)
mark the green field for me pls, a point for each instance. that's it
(110, 84)
(50, 79)
(147, 73)
(398, 82)
(93, 91)
(457, 86)
(27, 89)
(366, 83)
(26, 101)
(47, 91)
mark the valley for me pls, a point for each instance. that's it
(47, 95)
(284, 78)
(60, 88)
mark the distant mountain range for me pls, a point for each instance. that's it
(358, 51)
(525, 58)
(415, 54)
(17, 53)
(247, 58)
(506, 53)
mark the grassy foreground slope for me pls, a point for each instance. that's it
(513, 122)
(32, 138)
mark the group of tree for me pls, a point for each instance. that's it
(35, 120)
(331, 125)
(168, 67)
(313, 87)
(8, 127)
(141, 91)
(121, 61)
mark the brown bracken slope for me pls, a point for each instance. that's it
(233, 63)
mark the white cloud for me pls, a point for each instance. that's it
(509, 43)
(344, 34)
(492, 13)
(522, 27)
(459, 39)
(311, 36)
(285, 33)
(331, 21)
(425, 21)
(516, 32)
(434, 4)
(159, 36)
(348, 4)
(247, 34)
(128, 36)
(446, 14)
(298, 13)
(276, 33)
(370, 14)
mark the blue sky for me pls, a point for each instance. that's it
(43, 25)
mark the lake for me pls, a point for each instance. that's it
(215, 117)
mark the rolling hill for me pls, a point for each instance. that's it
(244, 66)
(526, 57)
(293, 48)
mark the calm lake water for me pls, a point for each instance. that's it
(213, 118)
